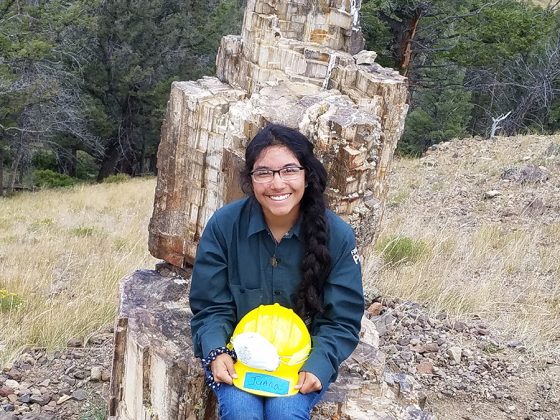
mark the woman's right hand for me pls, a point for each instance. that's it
(222, 369)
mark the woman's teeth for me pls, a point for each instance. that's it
(279, 197)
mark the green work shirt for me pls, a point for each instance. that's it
(239, 266)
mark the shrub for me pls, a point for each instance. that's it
(491, 348)
(9, 300)
(400, 249)
(45, 159)
(47, 178)
(118, 178)
(86, 167)
(398, 199)
(95, 413)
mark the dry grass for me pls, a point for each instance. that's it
(486, 257)
(499, 276)
(64, 252)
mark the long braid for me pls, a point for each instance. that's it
(316, 262)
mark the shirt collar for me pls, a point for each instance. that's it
(256, 218)
(295, 230)
(257, 223)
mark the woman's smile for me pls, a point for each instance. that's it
(279, 197)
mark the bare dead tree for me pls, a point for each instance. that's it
(539, 80)
(495, 122)
(45, 108)
(54, 108)
(526, 87)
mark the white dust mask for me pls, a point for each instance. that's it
(255, 351)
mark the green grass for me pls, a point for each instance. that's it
(9, 301)
(83, 231)
(401, 249)
(116, 179)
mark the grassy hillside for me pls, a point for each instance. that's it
(63, 252)
(476, 256)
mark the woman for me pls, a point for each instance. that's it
(278, 245)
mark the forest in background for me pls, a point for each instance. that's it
(468, 63)
(84, 83)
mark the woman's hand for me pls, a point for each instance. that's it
(308, 382)
(222, 369)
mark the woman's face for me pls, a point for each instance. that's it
(279, 199)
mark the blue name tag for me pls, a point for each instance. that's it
(266, 383)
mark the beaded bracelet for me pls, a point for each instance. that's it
(207, 361)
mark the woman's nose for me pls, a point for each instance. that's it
(277, 181)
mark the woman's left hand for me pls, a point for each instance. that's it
(308, 382)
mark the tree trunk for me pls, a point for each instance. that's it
(478, 120)
(73, 163)
(109, 163)
(410, 26)
(142, 163)
(15, 166)
(68, 160)
(1, 171)
(153, 163)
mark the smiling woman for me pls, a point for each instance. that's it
(279, 245)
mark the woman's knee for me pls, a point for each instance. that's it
(234, 404)
(296, 407)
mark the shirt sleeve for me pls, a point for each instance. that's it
(210, 298)
(335, 334)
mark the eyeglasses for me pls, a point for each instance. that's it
(289, 173)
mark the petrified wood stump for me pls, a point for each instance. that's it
(156, 376)
(155, 373)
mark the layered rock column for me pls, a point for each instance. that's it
(293, 65)
(191, 167)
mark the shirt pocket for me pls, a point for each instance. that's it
(247, 276)
(245, 299)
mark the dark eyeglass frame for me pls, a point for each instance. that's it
(277, 171)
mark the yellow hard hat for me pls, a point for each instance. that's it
(283, 336)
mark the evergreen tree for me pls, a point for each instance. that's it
(143, 46)
(43, 46)
(466, 62)
(94, 75)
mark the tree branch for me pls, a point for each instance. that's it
(22, 130)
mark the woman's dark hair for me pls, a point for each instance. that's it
(316, 262)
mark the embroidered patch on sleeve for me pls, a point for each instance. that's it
(355, 255)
